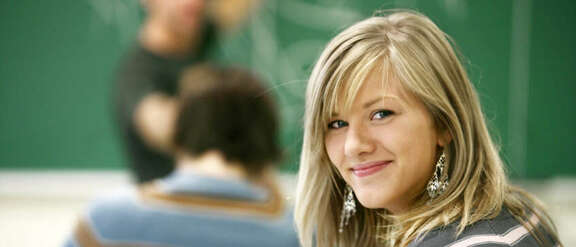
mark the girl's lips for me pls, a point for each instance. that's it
(370, 168)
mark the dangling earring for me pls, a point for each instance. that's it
(437, 185)
(348, 209)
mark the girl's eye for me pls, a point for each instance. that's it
(336, 124)
(381, 114)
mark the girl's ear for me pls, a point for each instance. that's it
(444, 138)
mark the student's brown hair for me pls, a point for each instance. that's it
(231, 111)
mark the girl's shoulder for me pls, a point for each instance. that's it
(502, 230)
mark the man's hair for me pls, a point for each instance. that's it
(227, 110)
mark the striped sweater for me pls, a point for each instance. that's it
(503, 230)
(188, 210)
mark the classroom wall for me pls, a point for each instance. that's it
(57, 61)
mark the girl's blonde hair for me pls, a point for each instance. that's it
(410, 47)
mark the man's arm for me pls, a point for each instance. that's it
(154, 119)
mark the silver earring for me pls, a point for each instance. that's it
(348, 209)
(437, 185)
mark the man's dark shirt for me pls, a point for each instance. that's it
(142, 73)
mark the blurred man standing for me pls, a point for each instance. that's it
(175, 34)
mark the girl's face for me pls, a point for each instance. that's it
(385, 146)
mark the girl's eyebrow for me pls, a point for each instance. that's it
(380, 98)
(371, 102)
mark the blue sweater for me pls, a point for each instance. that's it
(185, 209)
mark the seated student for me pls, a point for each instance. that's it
(222, 192)
(396, 151)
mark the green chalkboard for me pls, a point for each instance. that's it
(57, 61)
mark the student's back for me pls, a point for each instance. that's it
(223, 191)
(187, 209)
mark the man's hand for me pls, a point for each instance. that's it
(154, 119)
